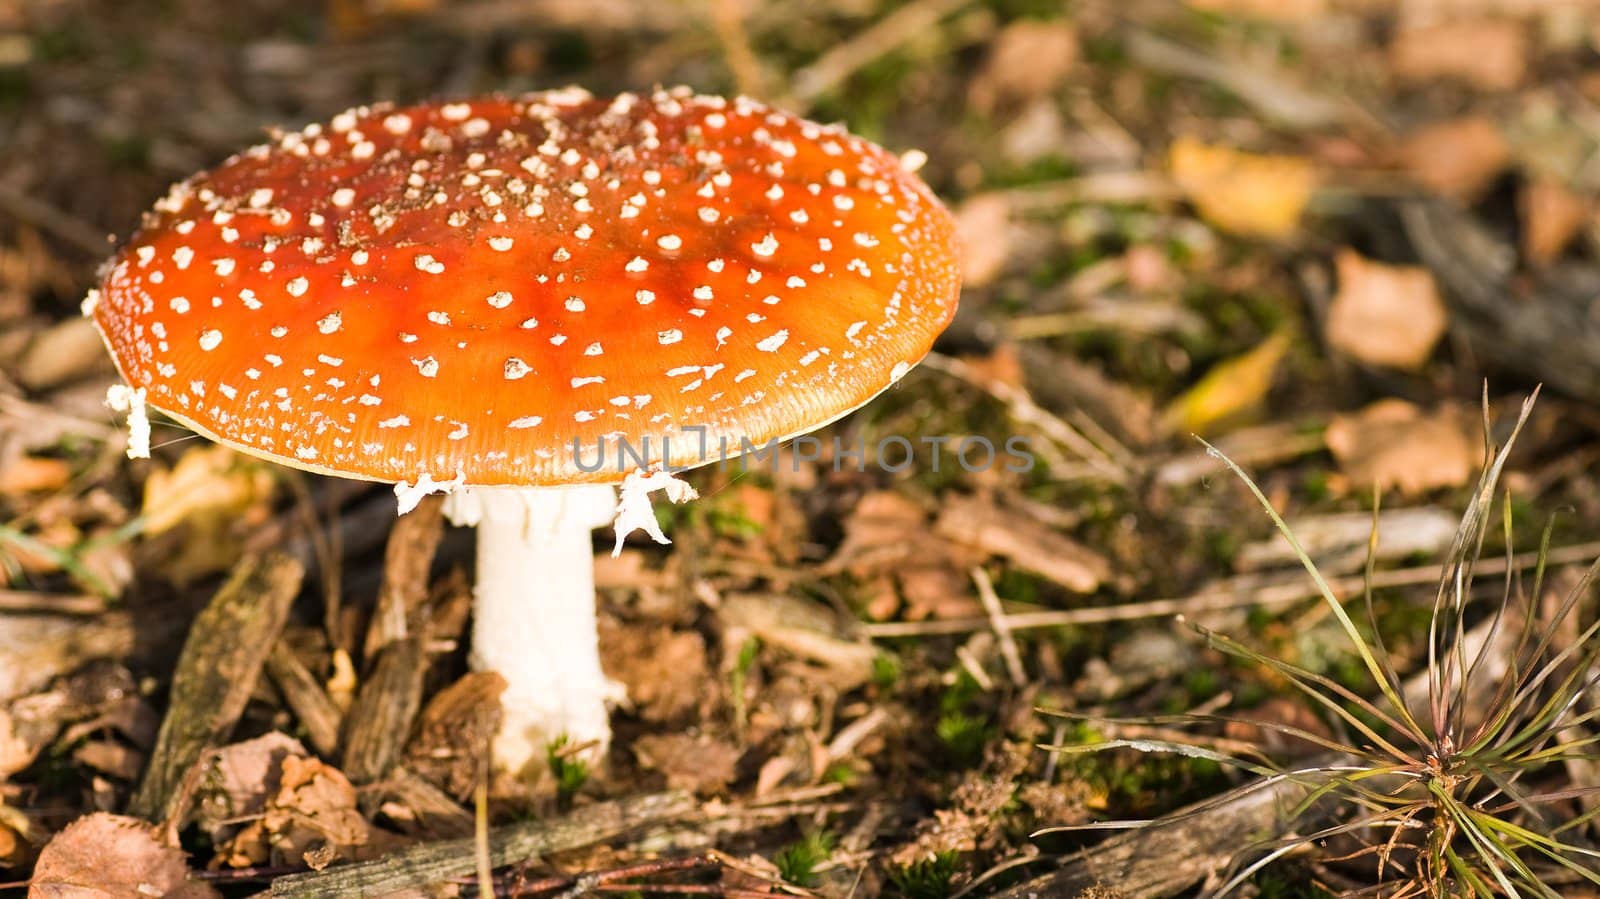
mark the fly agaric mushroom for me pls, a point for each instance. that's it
(463, 296)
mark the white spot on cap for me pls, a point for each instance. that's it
(527, 421)
(703, 293)
(181, 257)
(645, 297)
(669, 336)
(399, 421)
(516, 368)
(209, 339)
(500, 299)
(343, 197)
(329, 323)
(766, 247)
(297, 286)
(426, 263)
(899, 370)
(771, 344)
(501, 243)
(580, 382)
(637, 264)
(427, 366)
(260, 197)
(669, 242)
(223, 266)
(575, 304)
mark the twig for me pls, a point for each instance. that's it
(849, 57)
(1024, 409)
(306, 698)
(12, 601)
(217, 669)
(420, 866)
(1002, 630)
(384, 710)
(1223, 598)
(46, 217)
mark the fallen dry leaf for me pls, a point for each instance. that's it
(1393, 444)
(699, 763)
(312, 820)
(1272, 10)
(1489, 54)
(977, 522)
(664, 670)
(454, 731)
(1228, 390)
(1458, 158)
(115, 857)
(1029, 58)
(983, 226)
(1250, 194)
(1551, 216)
(211, 489)
(1387, 315)
(32, 474)
(239, 779)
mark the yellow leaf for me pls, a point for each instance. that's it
(212, 489)
(1249, 194)
(1230, 388)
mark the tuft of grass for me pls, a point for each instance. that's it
(925, 878)
(570, 772)
(962, 729)
(1457, 784)
(797, 862)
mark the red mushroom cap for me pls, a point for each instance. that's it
(470, 290)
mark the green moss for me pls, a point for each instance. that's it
(797, 862)
(928, 878)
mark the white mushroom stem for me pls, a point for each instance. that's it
(534, 615)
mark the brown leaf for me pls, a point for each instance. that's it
(33, 474)
(1458, 158)
(313, 818)
(454, 731)
(239, 779)
(979, 523)
(1488, 54)
(983, 227)
(1551, 217)
(698, 763)
(1030, 58)
(1273, 10)
(111, 856)
(1250, 194)
(1393, 444)
(664, 670)
(1388, 315)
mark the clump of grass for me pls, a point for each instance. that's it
(925, 878)
(1454, 786)
(797, 862)
(570, 771)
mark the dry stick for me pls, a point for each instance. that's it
(417, 867)
(306, 698)
(384, 710)
(1226, 598)
(217, 670)
(406, 560)
(48, 218)
(1002, 630)
(887, 35)
(1024, 409)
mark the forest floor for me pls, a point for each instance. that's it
(1341, 240)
